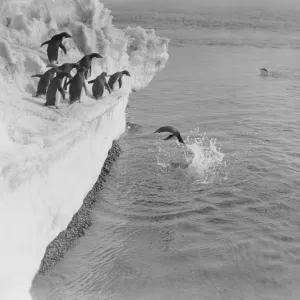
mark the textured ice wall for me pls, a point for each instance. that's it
(50, 159)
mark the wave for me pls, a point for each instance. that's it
(50, 159)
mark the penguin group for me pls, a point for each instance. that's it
(58, 78)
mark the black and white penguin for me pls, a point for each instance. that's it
(174, 131)
(117, 77)
(99, 85)
(44, 81)
(76, 85)
(55, 87)
(54, 44)
(86, 62)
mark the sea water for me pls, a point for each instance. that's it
(218, 217)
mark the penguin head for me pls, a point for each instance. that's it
(125, 72)
(104, 74)
(76, 66)
(96, 55)
(65, 35)
(263, 71)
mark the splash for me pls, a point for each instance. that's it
(207, 158)
(201, 159)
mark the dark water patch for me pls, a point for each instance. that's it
(179, 165)
(271, 255)
(218, 220)
(236, 202)
(285, 238)
(221, 194)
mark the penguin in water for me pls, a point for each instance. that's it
(117, 76)
(99, 85)
(76, 85)
(54, 44)
(67, 68)
(264, 72)
(174, 131)
(44, 81)
(86, 62)
(52, 99)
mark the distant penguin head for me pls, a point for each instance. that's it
(125, 72)
(65, 35)
(96, 55)
(263, 71)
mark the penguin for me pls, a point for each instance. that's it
(86, 62)
(66, 67)
(76, 85)
(174, 131)
(52, 99)
(44, 81)
(99, 84)
(54, 44)
(117, 76)
(264, 72)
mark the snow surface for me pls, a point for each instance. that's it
(50, 158)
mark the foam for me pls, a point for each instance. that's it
(50, 159)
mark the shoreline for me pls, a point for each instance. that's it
(81, 220)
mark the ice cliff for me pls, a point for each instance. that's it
(50, 159)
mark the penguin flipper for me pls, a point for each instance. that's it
(120, 82)
(61, 90)
(84, 86)
(66, 84)
(37, 75)
(61, 45)
(107, 87)
(91, 81)
(169, 137)
(45, 43)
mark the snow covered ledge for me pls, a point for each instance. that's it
(51, 187)
(50, 159)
